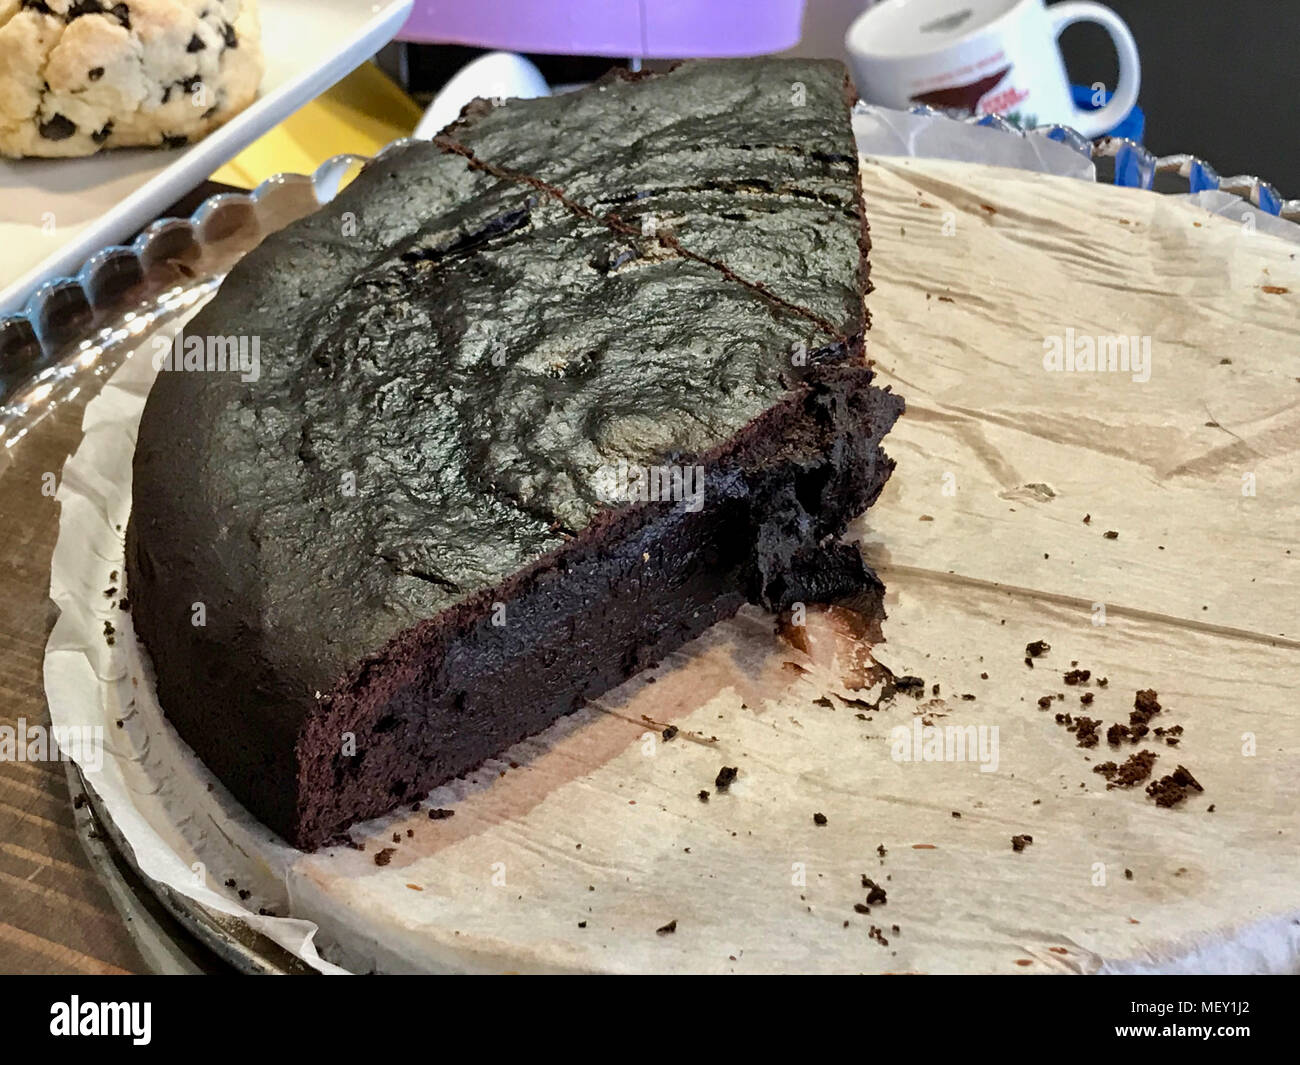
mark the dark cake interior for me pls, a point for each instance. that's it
(401, 532)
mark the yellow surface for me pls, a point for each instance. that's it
(360, 114)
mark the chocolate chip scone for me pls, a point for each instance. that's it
(77, 76)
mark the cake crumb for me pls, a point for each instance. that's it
(1172, 789)
(875, 893)
(1145, 706)
(1085, 731)
(1134, 771)
(909, 685)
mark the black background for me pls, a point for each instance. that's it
(1220, 79)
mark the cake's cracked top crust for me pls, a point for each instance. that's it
(454, 350)
(78, 76)
(723, 156)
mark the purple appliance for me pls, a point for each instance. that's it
(640, 28)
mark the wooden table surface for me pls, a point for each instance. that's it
(55, 915)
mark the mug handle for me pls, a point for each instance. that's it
(1095, 123)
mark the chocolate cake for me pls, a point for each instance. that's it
(536, 403)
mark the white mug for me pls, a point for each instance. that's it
(985, 56)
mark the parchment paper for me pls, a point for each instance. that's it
(577, 849)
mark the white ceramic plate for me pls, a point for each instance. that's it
(56, 213)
